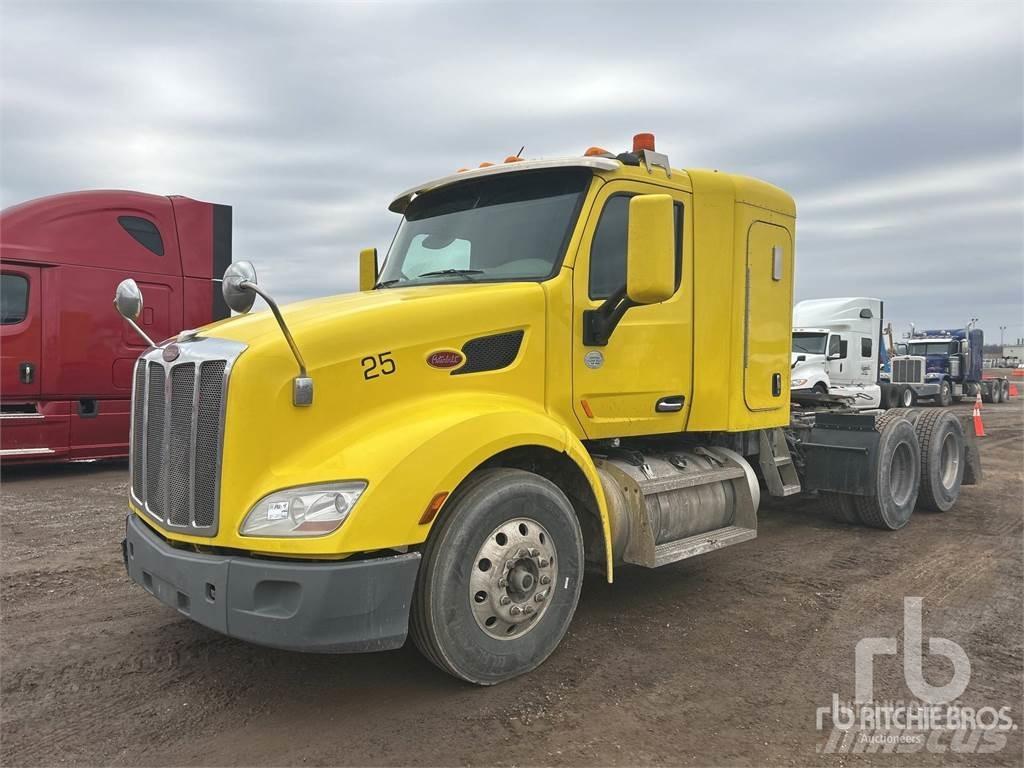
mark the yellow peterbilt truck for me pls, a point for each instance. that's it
(559, 364)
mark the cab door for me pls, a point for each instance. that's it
(20, 331)
(641, 381)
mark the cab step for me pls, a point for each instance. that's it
(673, 551)
(777, 464)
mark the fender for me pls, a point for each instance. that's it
(442, 451)
(407, 453)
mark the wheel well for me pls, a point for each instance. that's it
(567, 475)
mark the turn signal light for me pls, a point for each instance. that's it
(643, 141)
(596, 152)
(433, 507)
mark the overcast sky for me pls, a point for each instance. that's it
(897, 127)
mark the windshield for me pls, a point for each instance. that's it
(923, 349)
(809, 343)
(514, 226)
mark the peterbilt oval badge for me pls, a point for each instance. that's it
(445, 358)
(170, 353)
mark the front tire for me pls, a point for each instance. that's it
(945, 397)
(908, 397)
(500, 578)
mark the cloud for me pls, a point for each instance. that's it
(897, 127)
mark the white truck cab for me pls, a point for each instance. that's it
(835, 348)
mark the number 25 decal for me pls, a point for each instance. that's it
(375, 367)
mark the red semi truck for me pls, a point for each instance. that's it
(67, 358)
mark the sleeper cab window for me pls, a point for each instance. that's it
(865, 346)
(608, 248)
(13, 298)
(144, 232)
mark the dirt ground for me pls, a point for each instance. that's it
(721, 660)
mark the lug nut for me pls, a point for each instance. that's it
(543, 562)
(545, 579)
(515, 610)
(508, 565)
(528, 609)
(505, 600)
(521, 553)
(539, 597)
(502, 583)
(534, 552)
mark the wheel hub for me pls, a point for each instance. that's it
(512, 578)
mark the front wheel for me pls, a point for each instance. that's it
(908, 397)
(945, 394)
(500, 577)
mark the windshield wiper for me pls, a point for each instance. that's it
(389, 283)
(451, 272)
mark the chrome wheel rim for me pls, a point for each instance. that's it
(901, 474)
(949, 460)
(512, 578)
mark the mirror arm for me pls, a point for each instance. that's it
(139, 331)
(280, 321)
(302, 385)
(599, 323)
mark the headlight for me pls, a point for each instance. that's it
(309, 510)
(797, 382)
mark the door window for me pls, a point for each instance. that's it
(608, 248)
(833, 345)
(13, 298)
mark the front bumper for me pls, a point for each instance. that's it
(324, 607)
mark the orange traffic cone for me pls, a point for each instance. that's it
(979, 428)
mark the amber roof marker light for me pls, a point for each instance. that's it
(642, 141)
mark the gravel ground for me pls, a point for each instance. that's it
(718, 660)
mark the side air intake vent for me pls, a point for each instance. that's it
(490, 353)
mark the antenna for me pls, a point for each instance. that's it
(520, 152)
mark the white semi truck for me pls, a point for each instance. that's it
(836, 347)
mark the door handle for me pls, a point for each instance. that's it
(670, 404)
(26, 372)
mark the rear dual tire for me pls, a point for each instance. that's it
(897, 475)
(941, 437)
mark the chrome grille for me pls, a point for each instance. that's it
(177, 433)
(137, 422)
(907, 370)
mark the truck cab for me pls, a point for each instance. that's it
(836, 348)
(945, 365)
(559, 362)
(67, 364)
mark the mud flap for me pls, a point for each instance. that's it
(841, 454)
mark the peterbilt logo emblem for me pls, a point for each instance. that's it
(447, 358)
(171, 352)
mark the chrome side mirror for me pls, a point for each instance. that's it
(128, 302)
(128, 299)
(240, 291)
(237, 286)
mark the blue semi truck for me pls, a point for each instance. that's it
(945, 366)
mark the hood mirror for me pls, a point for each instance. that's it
(240, 291)
(237, 286)
(128, 303)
